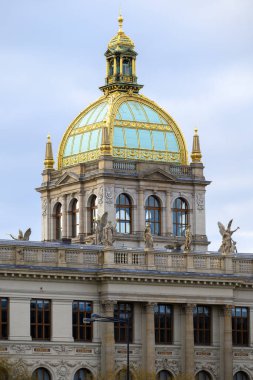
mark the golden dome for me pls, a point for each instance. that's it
(130, 126)
(121, 40)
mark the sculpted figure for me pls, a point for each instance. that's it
(148, 238)
(22, 236)
(228, 245)
(108, 234)
(100, 224)
(188, 239)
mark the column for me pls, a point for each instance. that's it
(251, 326)
(189, 341)
(19, 319)
(150, 341)
(228, 344)
(107, 68)
(108, 342)
(114, 66)
(140, 211)
(64, 216)
(96, 326)
(121, 65)
(81, 215)
(168, 213)
(134, 67)
(61, 320)
(137, 323)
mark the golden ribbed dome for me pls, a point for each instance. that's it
(121, 40)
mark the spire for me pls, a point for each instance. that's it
(196, 152)
(120, 21)
(49, 159)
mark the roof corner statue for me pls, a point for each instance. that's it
(22, 236)
(228, 244)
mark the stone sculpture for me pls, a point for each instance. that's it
(101, 222)
(148, 238)
(188, 239)
(228, 244)
(22, 236)
(109, 234)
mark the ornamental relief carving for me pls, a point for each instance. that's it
(101, 195)
(169, 365)
(200, 201)
(44, 207)
(109, 195)
(210, 367)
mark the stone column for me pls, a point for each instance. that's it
(140, 211)
(115, 66)
(121, 65)
(134, 67)
(19, 319)
(81, 215)
(150, 341)
(108, 342)
(228, 344)
(96, 325)
(169, 226)
(251, 326)
(61, 320)
(64, 216)
(189, 341)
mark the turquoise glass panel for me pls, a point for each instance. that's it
(95, 115)
(131, 138)
(93, 118)
(153, 117)
(85, 142)
(68, 147)
(172, 142)
(83, 121)
(118, 138)
(138, 112)
(94, 139)
(159, 140)
(145, 139)
(124, 112)
(76, 144)
(99, 137)
(103, 113)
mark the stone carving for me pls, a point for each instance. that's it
(148, 238)
(170, 365)
(108, 195)
(22, 236)
(188, 239)
(101, 222)
(200, 200)
(228, 244)
(62, 349)
(20, 255)
(209, 367)
(20, 348)
(109, 234)
(44, 207)
(101, 195)
(19, 369)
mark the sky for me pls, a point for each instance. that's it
(195, 59)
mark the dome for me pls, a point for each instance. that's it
(120, 40)
(133, 127)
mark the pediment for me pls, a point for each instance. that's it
(158, 175)
(67, 178)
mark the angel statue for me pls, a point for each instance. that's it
(101, 222)
(22, 236)
(148, 238)
(188, 239)
(228, 244)
(109, 234)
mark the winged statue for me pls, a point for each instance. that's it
(22, 236)
(101, 222)
(228, 245)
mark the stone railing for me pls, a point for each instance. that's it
(180, 170)
(78, 256)
(124, 165)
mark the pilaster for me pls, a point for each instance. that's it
(19, 319)
(189, 341)
(141, 218)
(64, 216)
(169, 227)
(108, 342)
(150, 340)
(81, 215)
(61, 321)
(228, 343)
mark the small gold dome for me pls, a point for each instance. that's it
(120, 40)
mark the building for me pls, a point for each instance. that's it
(123, 165)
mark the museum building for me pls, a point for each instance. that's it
(114, 214)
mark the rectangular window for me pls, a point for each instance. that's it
(202, 325)
(240, 326)
(163, 324)
(82, 331)
(4, 318)
(124, 312)
(40, 319)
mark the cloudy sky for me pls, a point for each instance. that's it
(195, 60)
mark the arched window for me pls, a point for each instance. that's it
(203, 375)
(126, 66)
(74, 212)
(93, 213)
(83, 374)
(123, 214)
(180, 216)
(111, 67)
(41, 374)
(241, 376)
(153, 214)
(164, 375)
(58, 221)
(122, 375)
(3, 374)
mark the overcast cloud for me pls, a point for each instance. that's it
(195, 60)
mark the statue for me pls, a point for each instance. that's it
(22, 236)
(148, 238)
(188, 239)
(108, 234)
(99, 231)
(228, 244)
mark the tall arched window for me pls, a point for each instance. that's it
(180, 216)
(58, 221)
(153, 214)
(203, 375)
(93, 213)
(241, 376)
(126, 66)
(123, 214)
(83, 374)
(41, 374)
(74, 212)
(164, 375)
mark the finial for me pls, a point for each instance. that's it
(49, 159)
(120, 21)
(196, 152)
